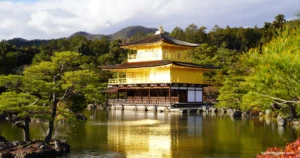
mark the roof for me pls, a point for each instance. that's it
(158, 38)
(110, 90)
(156, 63)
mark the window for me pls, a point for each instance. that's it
(155, 54)
(130, 75)
(178, 55)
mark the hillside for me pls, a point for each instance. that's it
(88, 35)
(20, 42)
(130, 31)
(124, 33)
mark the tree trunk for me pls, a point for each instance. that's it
(26, 129)
(292, 111)
(51, 122)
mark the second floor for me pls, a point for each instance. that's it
(156, 75)
(155, 72)
(160, 51)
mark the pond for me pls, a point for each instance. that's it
(149, 134)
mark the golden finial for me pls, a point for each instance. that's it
(160, 30)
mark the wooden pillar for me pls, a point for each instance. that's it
(158, 99)
(118, 95)
(133, 97)
(170, 94)
(149, 96)
(142, 95)
(165, 95)
(106, 102)
(126, 94)
(178, 91)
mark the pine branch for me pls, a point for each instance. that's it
(61, 71)
(37, 100)
(281, 101)
(68, 92)
(60, 82)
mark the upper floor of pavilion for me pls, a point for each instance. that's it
(159, 46)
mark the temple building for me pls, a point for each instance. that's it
(159, 72)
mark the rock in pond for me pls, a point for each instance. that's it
(295, 123)
(244, 115)
(268, 112)
(235, 113)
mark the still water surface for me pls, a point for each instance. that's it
(148, 134)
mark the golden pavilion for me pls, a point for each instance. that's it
(159, 72)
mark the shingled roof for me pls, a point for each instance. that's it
(156, 63)
(160, 37)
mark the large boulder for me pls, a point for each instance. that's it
(91, 107)
(80, 116)
(2, 139)
(230, 112)
(268, 112)
(212, 109)
(281, 121)
(235, 113)
(2, 117)
(221, 111)
(205, 109)
(244, 115)
(295, 123)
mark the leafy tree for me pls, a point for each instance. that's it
(271, 29)
(137, 36)
(201, 35)
(23, 100)
(18, 103)
(216, 36)
(178, 33)
(279, 21)
(231, 91)
(191, 33)
(275, 78)
(53, 82)
(118, 54)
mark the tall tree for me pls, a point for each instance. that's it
(54, 82)
(275, 78)
(191, 33)
(178, 33)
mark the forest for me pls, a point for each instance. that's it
(260, 69)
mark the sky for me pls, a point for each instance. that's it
(48, 19)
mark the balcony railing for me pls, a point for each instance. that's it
(153, 100)
(148, 80)
(136, 80)
(180, 60)
(131, 56)
(136, 58)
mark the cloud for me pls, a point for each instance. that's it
(60, 18)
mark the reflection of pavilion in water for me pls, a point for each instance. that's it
(152, 134)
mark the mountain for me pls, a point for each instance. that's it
(122, 34)
(20, 42)
(130, 31)
(88, 35)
